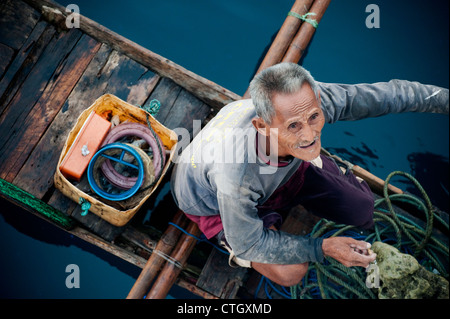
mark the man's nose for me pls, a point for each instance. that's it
(307, 134)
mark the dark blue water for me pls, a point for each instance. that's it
(223, 41)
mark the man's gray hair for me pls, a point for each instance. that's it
(284, 78)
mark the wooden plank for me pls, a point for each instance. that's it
(166, 92)
(39, 181)
(299, 221)
(17, 19)
(59, 201)
(24, 62)
(185, 110)
(11, 121)
(208, 91)
(218, 278)
(6, 55)
(48, 105)
(139, 93)
(48, 150)
(96, 225)
(194, 289)
(109, 247)
(138, 238)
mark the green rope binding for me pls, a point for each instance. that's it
(36, 204)
(305, 18)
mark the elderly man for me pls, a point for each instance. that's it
(259, 157)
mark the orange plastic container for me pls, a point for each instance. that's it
(84, 147)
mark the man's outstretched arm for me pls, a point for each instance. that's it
(347, 102)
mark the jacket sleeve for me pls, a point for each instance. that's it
(248, 238)
(347, 102)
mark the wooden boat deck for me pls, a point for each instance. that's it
(49, 75)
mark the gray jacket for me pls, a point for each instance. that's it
(219, 173)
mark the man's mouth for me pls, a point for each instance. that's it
(309, 145)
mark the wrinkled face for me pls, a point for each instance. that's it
(299, 121)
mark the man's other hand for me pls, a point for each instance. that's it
(348, 251)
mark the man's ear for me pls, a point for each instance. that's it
(260, 126)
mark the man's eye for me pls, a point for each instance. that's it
(292, 126)
(314, 116)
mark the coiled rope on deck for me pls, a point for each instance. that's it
(153, 108)
(335, 281)
(332, 280)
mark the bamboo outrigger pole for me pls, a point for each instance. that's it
(170, 272)
(305, 33)
(164, 247)
(286, 34)
(284, 37)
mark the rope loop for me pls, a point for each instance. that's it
(85, 206)
(153, 107)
